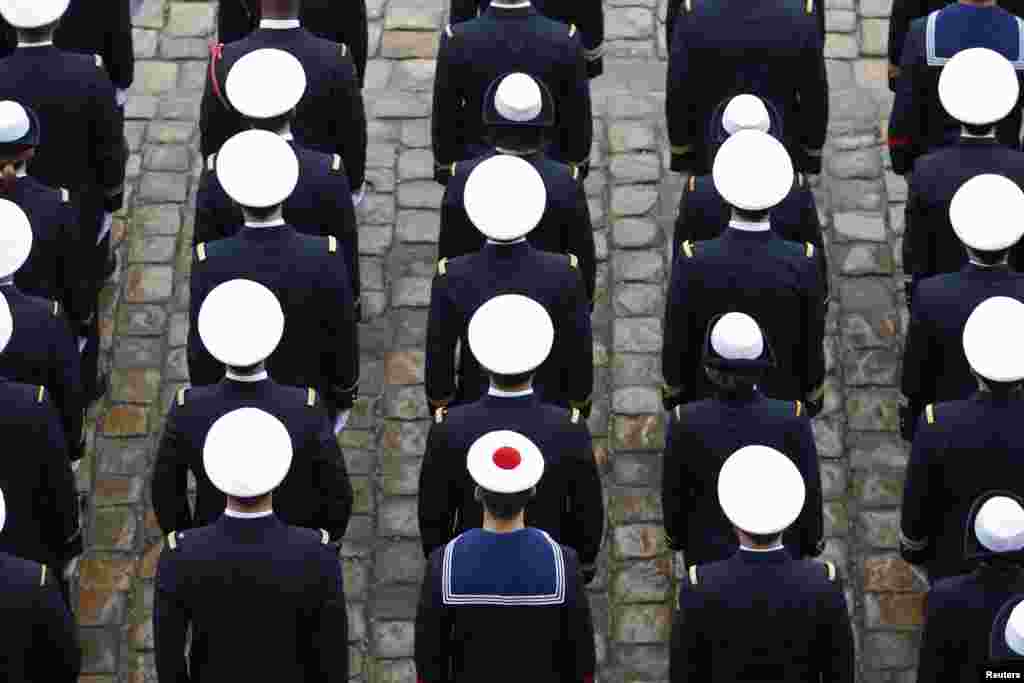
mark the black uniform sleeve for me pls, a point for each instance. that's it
(340, 221)
(235, 20)
(578, 630)
(438, 493)
(457, 236)
(680, 350)
(671, 12)
(462, 10)
(810, 231)
(586, 504)
(591, 23)
(573, 114)
(65, 385)
(813, 99)
(57, 502)
(433, 641)
(442, 336)
(918, 381)
(941, 652)
(216, 123)
(688, 656)
(171, 617)
(214, 211)
(118, 47)
(170, 478)
(350, 122)
(341, 336)
(903, 12)
(923, 480)
(904, 122)
(56, 654)
(813, 319)
(809, 537)
(835, 650)
(354, 32)
(676, 488)
(203, 368)
(446, 117)
(332, 477)
(72, 270)
(329, 641)
(684, 125)
(580, 235)
(579, 341)
(917, 219)
(108, 150)
(685, 218)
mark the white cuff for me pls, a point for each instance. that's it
(341, 421)
(121, 95)
(82, 341)
(108, 220)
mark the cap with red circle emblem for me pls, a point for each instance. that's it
(505, 462)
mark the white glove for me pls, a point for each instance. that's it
(121, 95)
(342, 420)
(357, 197)
(69, 570)
(108, 221)
(82, 341)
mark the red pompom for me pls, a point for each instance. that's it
(507, 458)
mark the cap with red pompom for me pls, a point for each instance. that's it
(505, 462)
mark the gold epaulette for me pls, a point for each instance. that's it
(679, 412)
(442, 267)
(688, 248)
(929, 413)
(809, 250)
(809, 7)
(693, 574)
(440, 414)
(799, 408)
(41, 394)
(201, 251)
(572, 30)
(42, 576)
(65, 195)
(310, 397)
(575, 172)
(451, 169)
(336, 163)
(325, 537)
(211, 162)
(679, 150)
(172, 542)
(344, 50)
(55, 308)
(99, 61)
(332, 244)
(692, 183)
(574, 262)
(574, 415)
(830, 570)
(181, 396)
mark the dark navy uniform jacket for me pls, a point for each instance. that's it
(308, 275)
(338, 22)
(729, 47)
(945, 476)
(672, 11)
(775, 282)
(483, 586)
(919, 123)
(102, 28)
(330, 117)
(39, 488)
(934, 365)
(568, 504)
(42, 351)
(265, 601)
(320, 205)
(465, 283)
(475, 53)
(930, 246)
(82, 147)
(705, 434)
(40, 637)
(588, 16)
(315, 494)
(762, 616)
(565, 228)
(961, 609)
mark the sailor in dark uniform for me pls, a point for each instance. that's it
(519, 113)
(943, 476)
(703, 214)
(504, 579)
(751, 270)
(265, 86)
(761, 614)
(40, 640)
(307, 274)
(930, 246)
(509, 38)
(40, 488)
(83, 149)
(918, 123)
(704, 433)
(241, 323)
(338, 22)
(330, 117)
(673, 7)
(508, 265)
(247, 568)
(961, 609)
(42, 350)
(587, 15)
(774, 51)
(511, 336)
(1006, 639)
(934, 366)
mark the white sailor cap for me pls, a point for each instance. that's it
(993, 338)
(504, 197)
(999, 525)
(752, 171)
(6, 323)
(241, 323)
(32, 13)
(1015, 630)
(511, 334)
(505, 462)
(247, 453)
(760, 490)
(15, 238)
(736, 336)
(19, 127)
(978, 86)
(265, 83)
(518, 98)
(257, 169)
(746, 112)
(979, 209)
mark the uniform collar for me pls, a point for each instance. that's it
(495, 391)
(275, 223)
(987, 268)
(747, 226)
(280, 24)
(964, 135)
(775, 555)
(43, 43)
(511, 5)
(249, 379)
(505, 244)
(228, 512)
(762, 550)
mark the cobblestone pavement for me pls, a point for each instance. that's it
(633, 200)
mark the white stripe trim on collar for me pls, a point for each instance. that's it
(747, 226)
(450, 597)
(228, 512)
(516, 241)
(275, 223)
(511, 5)
(39, 44)
(762, 550)
(255, 377)
(934, 60)
(495, 391)
(280, 23)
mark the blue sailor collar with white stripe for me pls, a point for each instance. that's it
(950, 29)
(523, 567)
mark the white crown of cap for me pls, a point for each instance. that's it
(3, 510)
(247, 453)
(241, 322)
(760, 490)
(746, 112)
(6, 322)
(993, 338)
(999, 525)
(752, 171)
(518, 98)
(736, 336)
(494, 468)
(14, 121)
(257, 169)
(978, 86)
(979, 209)
(32, 13)
(15, 238)
(265, 83)
(505, 197)
(1015, 629)
(511, 334)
